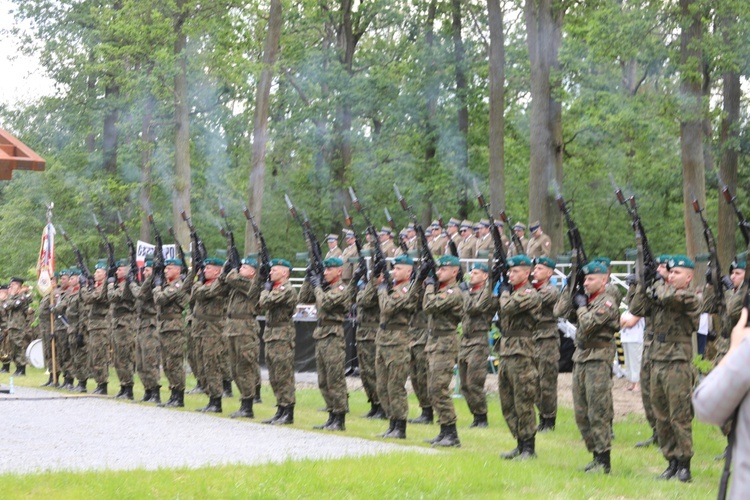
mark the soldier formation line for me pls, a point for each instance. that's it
(412, 299)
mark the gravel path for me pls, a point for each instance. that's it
(50, 432)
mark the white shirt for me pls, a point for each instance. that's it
(634, 333)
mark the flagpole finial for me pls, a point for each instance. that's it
(50, 206)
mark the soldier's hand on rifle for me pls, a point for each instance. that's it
(82, 281)
(429, 280)
(314, 280)
(424, 270)
(726, 281)
(359, 273)
(630, 279)
(264, 271)
(267, 286)
(580, 300)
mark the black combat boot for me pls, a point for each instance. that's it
(425, 418)
(49, 382)
(198, 389)
(257, 399)
(246, 409)
(172, 396)
(450, 439)
(287, 416)
(227, 389)
(527, 450)
(648, 442)
(440, 436)
(179, 400)
(670, 471)
(510, 455)
(399, 430)
(327, 423)
(68, 384)
(546, 424)
(380, 414)
(272, 420)
(81, 387)
(5, 368)
(683, 470)
(20, 371)
(338, 422)
(123, 392)
(600, 463)
(101, 389)
(391, 426)
(146, 396)
(373, 409)
(480, 420)
(213, 406)
(155, 395)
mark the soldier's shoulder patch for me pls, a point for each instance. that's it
(527, 291)
(608, 303)
(177, 285)
(546, 243)
(281, 287)
(450, 290)
(341, 287)
(405, 289)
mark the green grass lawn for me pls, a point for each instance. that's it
(474, 470)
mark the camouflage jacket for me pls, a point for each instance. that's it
(734, 302)
(121, 305)
(97, 307)
(443, 305)
(145, 307)
(396, 307)
(478, 309)
(71, 301)
(547, 325)
(171, 300)
(332, 306)
(243, 304)
(209, 310)
(368, 313)
(519, 314)
(279, 304)
(14, 310)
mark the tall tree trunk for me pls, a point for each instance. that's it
(181, 189)
(462, 154)
(497, 105)
(729, 134)
(109, 137)
(691, 123)
(544, 20)
(260, 122)
(147, 149)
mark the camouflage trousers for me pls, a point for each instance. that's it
(472, 370)
(123, 349)
(418, 367)
(330, 360)
(226, 370)
(244, 354)
(212, 351)
(19, 341)
(148, 356)
(63, 354)
(391, 371)
(366, 356)
(646, 367)
(517, 381)
(47, 349)
(671, 397)
(98, 356)
(592, 404)
(173, 352)
(547, 358)
(79, 355)
(194, 358)
(280, 362)
(442, 353)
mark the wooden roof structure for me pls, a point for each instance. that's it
(15, 155)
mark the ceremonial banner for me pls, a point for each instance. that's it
(143, 249)
(45, 267)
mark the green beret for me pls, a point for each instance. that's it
(74, 271)
(519, 260)
(122, 263)
(737, 264)
(604, 260)
(250, 262)
(214, 261)
(595, 267)
(448, 261)
(545, 261)
(101, 264)
(63, 272)
(150, 262)
(57, 274)
(479, 265)
(404, 259)
(663, 259)
(333, 262)
(680, 261)
(171, 262)
(281, 262)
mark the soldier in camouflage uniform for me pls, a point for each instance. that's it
(63, 347)
(14, 310)
(478, 309)
(646, 365)
(597, 318)
(396, 307)
(123, 329)
(171, 300)
(332, 304)
(60, 282)
(443, 304)
(5, 342)
(208, 324)
(418, 365)
(97, 327)
(675, 309)
(520, 310)
(546, 344)
(279, 300)
(242, 330)
(148, 346)
(77, 315)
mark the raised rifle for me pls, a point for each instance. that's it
(180, 253)
(313, 248)
(199, 249)
(402, 244)
(499, 258)
(133, 274)
(513, 236)
(79, 258)
(427, 258)
(742, 222)
(650, 266)
(111, 264)
(379, 262)
(232, 254)
(263, 254)
(714, 270)
(576, 244)
(357, 240)
(158, 268)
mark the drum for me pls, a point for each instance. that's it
(35, 354)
